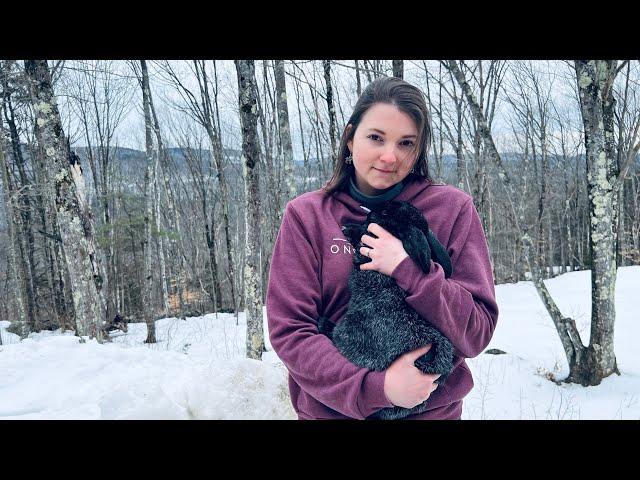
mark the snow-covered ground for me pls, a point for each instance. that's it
(197, 370)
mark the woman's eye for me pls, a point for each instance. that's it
(407, 143)
(374, 137)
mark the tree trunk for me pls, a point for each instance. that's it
(211, 247)
(330, 108)
(149, 180)
(16, 279)
(595, 86)
(218, 155)
(284, 130)
(358, 81)
(398, 68)
(250, 152)
(24, 228)
(65, 190)
(581, 360)
(305, 175)
(162, 264)
(173, 214)
(621, 259)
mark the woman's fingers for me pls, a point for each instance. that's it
(377, 230)
(368, 240)
(417, 353)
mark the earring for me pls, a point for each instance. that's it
(348, 160)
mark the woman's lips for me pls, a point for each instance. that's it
(383, 171)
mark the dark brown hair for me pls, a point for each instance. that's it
(408, 99)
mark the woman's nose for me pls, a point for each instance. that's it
(389, 156)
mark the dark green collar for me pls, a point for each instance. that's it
(371, 201)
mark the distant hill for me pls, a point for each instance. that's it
(133, 161)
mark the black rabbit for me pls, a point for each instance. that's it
(379, 325)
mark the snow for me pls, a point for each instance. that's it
(197, 370)
(513, 386)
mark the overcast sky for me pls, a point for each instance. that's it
(557, 78)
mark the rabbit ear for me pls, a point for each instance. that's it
(407, 213)
(416, 245)
(434, 248)
(439, 254)
(418, 219)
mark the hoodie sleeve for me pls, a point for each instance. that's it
(293, 304)
(463, 307)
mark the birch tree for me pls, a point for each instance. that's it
(149, 210)
(587, 365)
(23, 228)
(65, 193)
(284, 130)
(16, 279)
(595, 79)
(250, 157)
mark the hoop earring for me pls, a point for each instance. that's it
(348, 160)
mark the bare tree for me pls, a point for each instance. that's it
(283, 128)
(595, 79)
(201, 107)
(398, 68)
(251, 153)
(24, 227)
(530, 96)
(326, 64)
(101, 101)
(588, 365)
(16, 279)
(449, 124)
(149, 210)
(627, 121)
(65, 193)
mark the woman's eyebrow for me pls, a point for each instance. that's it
(383, 133)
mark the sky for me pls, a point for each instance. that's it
(556, 77)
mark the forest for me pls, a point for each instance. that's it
(137, 190)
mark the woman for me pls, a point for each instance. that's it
(382, 156)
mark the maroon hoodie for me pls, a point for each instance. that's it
(308, 278)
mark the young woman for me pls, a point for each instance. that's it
(382, 156)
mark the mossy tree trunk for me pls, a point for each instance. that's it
(597, 104)
(64, 191)
(250, 157)
(587, 365)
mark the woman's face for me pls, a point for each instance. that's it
(383, 148)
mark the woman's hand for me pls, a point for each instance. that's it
(386, 251)
(405, 385)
